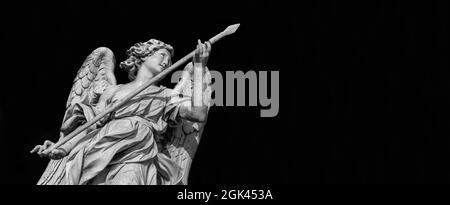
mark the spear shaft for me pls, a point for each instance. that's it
(229, 30)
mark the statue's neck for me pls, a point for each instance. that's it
(143, 76)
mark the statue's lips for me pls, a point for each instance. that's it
(162, 67)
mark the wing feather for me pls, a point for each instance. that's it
(97, 70)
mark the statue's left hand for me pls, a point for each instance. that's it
(201, 54)
(54, 154)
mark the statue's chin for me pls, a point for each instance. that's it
(156, 70)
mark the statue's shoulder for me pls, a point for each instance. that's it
(112, 89)
(167, 91)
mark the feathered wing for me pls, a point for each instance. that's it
(186, 135)
(93, 78)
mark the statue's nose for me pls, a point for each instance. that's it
(164, 63)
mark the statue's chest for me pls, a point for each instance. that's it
(123, 91)
(148, 103)
(121, 94)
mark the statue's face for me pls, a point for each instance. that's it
(158, 61)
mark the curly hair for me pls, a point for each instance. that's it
(138, 52)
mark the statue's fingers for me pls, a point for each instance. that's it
(35, 149)
(208, 47)
(204, 53)
(200, 47)
(197, 50)
(47, 144)
(203, 49)
(41, 149)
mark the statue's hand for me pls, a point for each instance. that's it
(201, 54)
(54, 154)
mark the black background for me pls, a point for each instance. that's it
(364, 91)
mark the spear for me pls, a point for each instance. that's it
(228, 31)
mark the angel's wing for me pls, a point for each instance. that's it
(95, 75)
(186, 135)
(93, 78)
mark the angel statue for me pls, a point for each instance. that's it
(151, 139)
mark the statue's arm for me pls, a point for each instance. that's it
(105, 98)
(195, 110)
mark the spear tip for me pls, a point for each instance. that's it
(231, 29)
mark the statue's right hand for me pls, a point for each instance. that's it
(54, 154)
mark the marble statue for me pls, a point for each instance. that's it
(149, 140)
